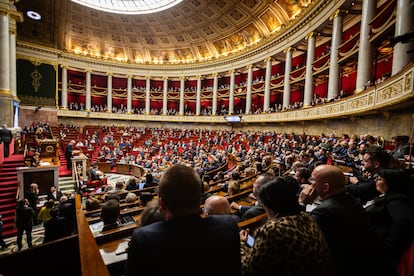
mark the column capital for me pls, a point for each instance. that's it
(147, 77)
(16, 15)
(64, 66)
(215, 75)
(129, 76)
(88, 70)
(165, 78)
(198, 77)
(268, 59)
(310, 35)
(337, 13)
(232, 71)
(289, 49)
(250, 66)
(182, 78)
(109, 74)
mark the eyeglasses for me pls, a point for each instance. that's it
(316, 180)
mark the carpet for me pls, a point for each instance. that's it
(37, 239)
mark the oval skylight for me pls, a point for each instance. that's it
(129, 6)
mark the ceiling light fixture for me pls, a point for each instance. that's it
(33, 15)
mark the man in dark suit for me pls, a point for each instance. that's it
(355, 247)
(184, 242)
(54, 194)
(68, 154)
(250, 211)
(6, 138)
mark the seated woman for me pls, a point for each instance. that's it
(393, 211)
(290, 242)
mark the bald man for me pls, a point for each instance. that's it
(218, 205)
(355, 248)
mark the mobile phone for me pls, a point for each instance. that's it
(250, 241)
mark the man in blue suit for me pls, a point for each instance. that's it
(185, 240)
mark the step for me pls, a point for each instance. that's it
(8, 189)
(8, 195)
(4, 208)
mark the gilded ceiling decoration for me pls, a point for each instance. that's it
(192, 31)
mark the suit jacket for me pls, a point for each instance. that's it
(253, 211)
(6, 135)
(189, 245)
(364, 190)
(355, 246)
(58, 195)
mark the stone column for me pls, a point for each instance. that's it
(268, 76)
(310, 57)
(64, 87)
(333, 82)
(182, 88)
(286, 85)
(364, 66)
(129, 94)
(198, 96)
(231, 92)
(165, 97)
(6, 96)
(147, 95)
(88, 91)
(403, 50)
(109, 96)
(12, 47)
(215, 91)
(249, 89)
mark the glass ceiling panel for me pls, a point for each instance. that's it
(129, 6)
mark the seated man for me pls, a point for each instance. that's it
(110, 213)
(183, 228)
(218, 205)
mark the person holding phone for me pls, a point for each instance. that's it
(289, 233)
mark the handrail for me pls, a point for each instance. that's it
(90, 259)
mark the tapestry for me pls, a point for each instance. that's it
(36, 83)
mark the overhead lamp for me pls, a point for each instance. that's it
(34, 15)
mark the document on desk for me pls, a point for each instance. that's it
(114, 254)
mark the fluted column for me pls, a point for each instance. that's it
(231, 92)
(215, 91)
(286, 85)
(249, 88)
(5, 93)
(88, 91)
(365, 49)
(403, 50)
(12, 47)
(147, 94)
(268, 76)
(129, 94)
(64, 87)
(109, 96)
(333, 82)
(165, 97)
(198, 96)
(310, 57)
(182, 88)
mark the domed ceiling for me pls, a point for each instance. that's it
(193, 30)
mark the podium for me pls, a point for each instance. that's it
(49, 148)
(79, 167)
